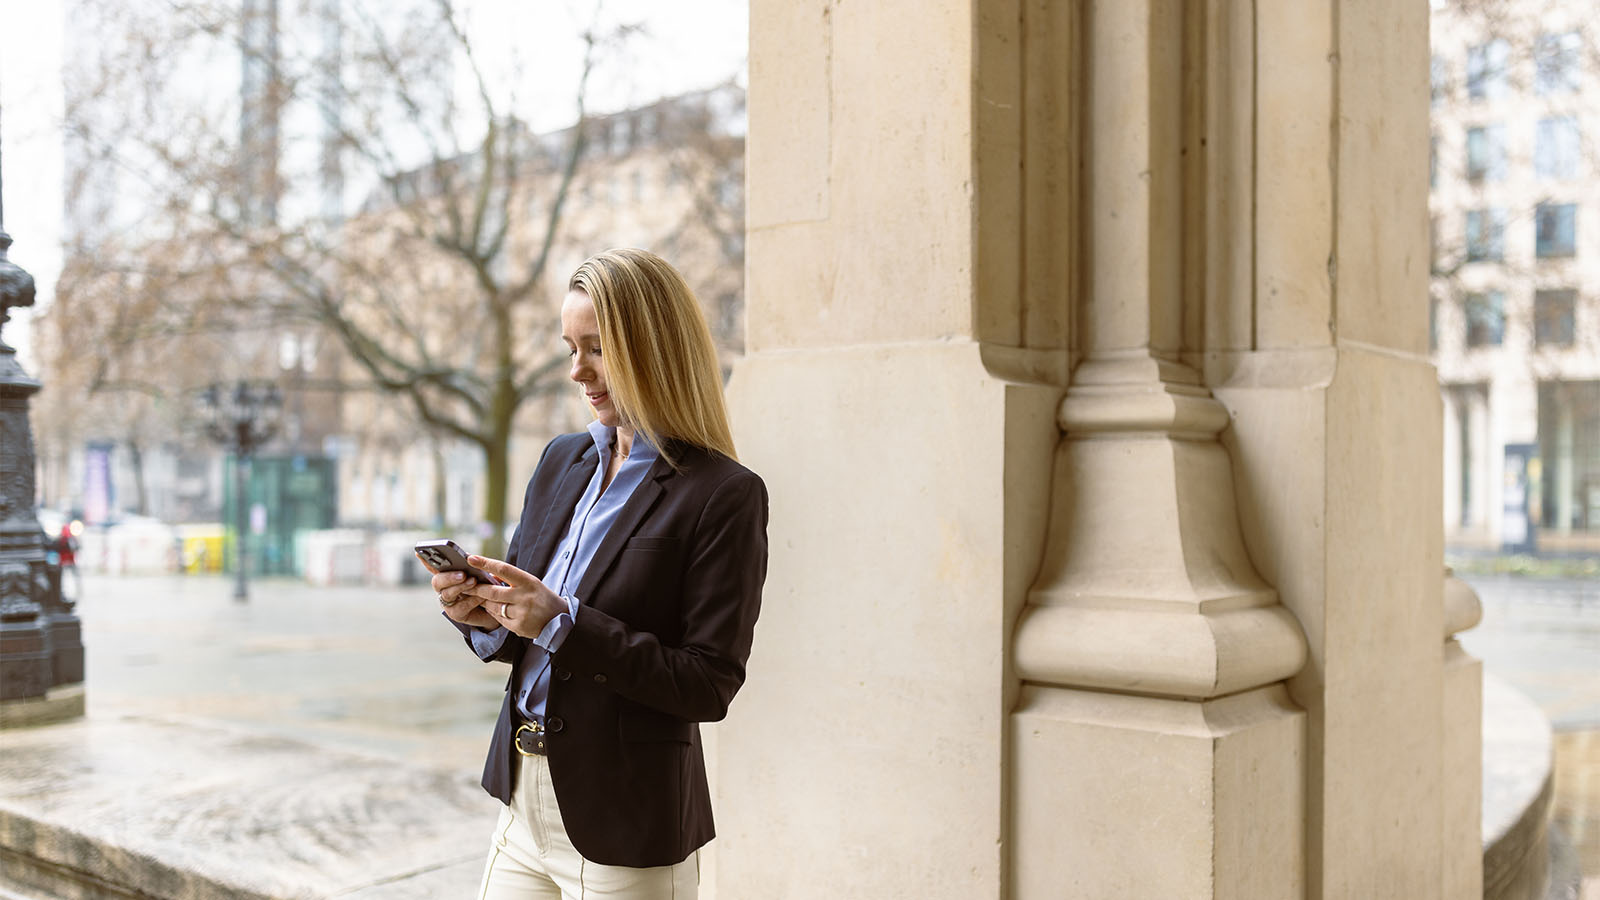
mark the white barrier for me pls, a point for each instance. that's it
(333, 556)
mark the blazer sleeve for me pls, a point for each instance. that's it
(720, 599)
(512, 648)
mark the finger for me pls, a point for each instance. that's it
(503, 570)
(443, 580)
(487, 593)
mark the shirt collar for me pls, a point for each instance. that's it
(603, 435)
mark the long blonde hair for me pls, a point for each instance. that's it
(661, 365)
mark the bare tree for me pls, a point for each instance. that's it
(439, 288)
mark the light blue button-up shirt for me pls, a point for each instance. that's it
(591, 519)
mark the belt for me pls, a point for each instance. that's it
(529, 739)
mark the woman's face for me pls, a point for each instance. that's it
(580, 330)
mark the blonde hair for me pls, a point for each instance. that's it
(661, 365)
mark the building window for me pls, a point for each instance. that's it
(1555, 58)
(1553, 317)
(1555, 148)
(1486, 230)
(1569, 446)
(1486, 70)
(1486, 319)
(1486, 153)
(1555, 233)
(1439, 77)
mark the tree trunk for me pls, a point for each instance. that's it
(495, 457)
(441, 488)
(497, 452)
(136, 460)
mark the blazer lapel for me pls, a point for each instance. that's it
(559, 512)
(629, 518)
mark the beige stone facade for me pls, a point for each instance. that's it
(1085, 371)
(1515, 298)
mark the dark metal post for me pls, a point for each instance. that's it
(241, 516)
(242, 419)
(24, 648)
(31, 607)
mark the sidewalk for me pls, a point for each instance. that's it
(313, 742)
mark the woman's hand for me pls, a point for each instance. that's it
(459, 605)
(523, 605)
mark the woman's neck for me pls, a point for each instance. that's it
(624, 441)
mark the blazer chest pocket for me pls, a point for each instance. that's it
(648, 726)
(653, 544)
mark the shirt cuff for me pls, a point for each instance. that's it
(555, 631)
(487, 643)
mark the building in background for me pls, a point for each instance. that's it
(130, 341)
(666, 176)
(1515, 296)
(299, 152)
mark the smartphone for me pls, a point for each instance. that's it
(447, 556)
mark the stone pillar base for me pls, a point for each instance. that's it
(59, 704)
(1129, 796)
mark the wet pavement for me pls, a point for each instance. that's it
(373, 669)
(339, 731)
(310, 742)
(1542, 636)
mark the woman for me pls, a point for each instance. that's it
(631, 591)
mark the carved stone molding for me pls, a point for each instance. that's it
(1146, 585)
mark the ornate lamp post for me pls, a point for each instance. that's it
(241, 418)
(39, 636)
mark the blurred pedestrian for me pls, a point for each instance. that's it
(67, 550)
(650, 541)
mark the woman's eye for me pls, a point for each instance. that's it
(595, 351)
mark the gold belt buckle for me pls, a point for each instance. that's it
(534, 728)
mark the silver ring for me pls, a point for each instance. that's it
(503, 608)
(442, 600)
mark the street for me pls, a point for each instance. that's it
(369, 668)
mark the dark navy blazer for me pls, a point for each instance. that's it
(669, 607)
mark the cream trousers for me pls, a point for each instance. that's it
(531, 856)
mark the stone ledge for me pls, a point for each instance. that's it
(163, 808)
(59, 704)
(1524, 856)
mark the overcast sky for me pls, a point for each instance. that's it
(686, 44)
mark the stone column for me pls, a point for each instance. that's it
(1451, 436)
(1335, 438)
(1563, 461)
(1156, 750)
(1170, 626)
(906, 351)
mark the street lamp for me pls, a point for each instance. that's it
(241, 418)
(40, 639)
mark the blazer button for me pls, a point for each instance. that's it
(553, 725)
(599, 679)
(562, 674)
